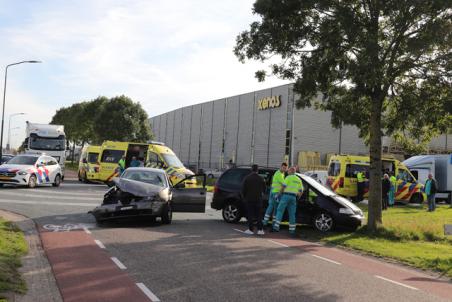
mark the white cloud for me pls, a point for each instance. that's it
(165, 54)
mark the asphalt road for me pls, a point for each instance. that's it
(200, 258)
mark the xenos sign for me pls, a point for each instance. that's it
(269, 102)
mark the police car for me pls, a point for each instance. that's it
(31, 170)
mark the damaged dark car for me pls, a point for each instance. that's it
(147, 193)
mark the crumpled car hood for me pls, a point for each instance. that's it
(141, 189)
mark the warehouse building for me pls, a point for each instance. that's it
(262, 127)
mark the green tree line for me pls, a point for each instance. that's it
(117, 118)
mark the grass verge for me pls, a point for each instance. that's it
(410, 235)
(12, 247)
(71, 166)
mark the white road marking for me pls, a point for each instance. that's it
(326, 259)
(395, 282)
(278, 243)
(50, 197)
(240, 231)
(67, 227)
(86, 230)
(50, 203)
(148, 292)
(59, 192)
(118, 263)
(100, 244)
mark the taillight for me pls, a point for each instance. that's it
(341, 182)
(216, 189)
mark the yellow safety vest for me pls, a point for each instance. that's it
(293, 185)
(360, 176)
(277, 181)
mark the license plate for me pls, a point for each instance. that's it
(126, 208)
(5, 178)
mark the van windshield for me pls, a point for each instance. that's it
(172, 161)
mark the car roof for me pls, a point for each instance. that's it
(260, 168)
(145, 169)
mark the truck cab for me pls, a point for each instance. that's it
(48, 139)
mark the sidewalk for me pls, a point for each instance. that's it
(35, 269)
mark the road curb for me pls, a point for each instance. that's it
(36, 269)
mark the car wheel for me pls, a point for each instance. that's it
(79, 176)
(323, 222)
(57, 181)
(167, 215)
(416, 198)
(210, 176)
(231, 212)
(32, 181)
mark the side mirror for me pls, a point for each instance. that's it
(84, 161)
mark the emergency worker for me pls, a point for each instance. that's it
(292, 189)
(273, 199)
(360, 178)
(392, 190)
(122, 164)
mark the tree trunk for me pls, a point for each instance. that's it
(73, 152)
(374, 219)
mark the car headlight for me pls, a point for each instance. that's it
(347, 211)
(22, 173)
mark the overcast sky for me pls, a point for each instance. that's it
(164, 54)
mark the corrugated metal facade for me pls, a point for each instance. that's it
(236, 129)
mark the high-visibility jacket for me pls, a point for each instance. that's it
(277, 181)
(122, 163)
(360, 176)
(292, 184)
(393, 181)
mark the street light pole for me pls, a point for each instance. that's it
(8, 146)
(4, 98)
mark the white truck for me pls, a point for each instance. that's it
(48, 139)
(440, 165)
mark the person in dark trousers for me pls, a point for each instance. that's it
(253, 187)
(385, 187)
(430, 189)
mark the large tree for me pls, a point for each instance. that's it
(118, 118)
(122, 119)
(381, 65)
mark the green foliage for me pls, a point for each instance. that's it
(383, 66)
(12, 247)
(118, 118)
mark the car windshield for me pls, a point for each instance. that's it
(172, 161)
(46, 143)
(23, 160)
(149, 177)
(318, 186)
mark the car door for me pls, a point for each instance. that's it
(306, 206)
(52, 168)
(189, 199)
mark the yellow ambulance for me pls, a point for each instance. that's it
(88, 166)
(342, 179)
(152, 154)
